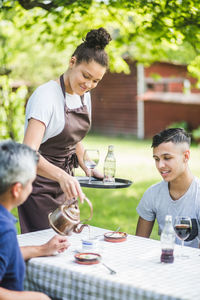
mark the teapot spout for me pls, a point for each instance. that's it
(79, 230)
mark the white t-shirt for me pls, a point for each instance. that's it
(46, 104)
(157, 203)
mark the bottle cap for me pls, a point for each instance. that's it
(110, 147)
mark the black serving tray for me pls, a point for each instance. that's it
(98, 183)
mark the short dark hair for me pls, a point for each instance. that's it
(93, 47)
(174, 135)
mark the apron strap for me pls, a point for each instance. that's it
(82, 99)
(62, 83)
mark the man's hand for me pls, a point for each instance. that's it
(56, 244)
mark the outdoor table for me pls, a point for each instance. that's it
(140, 275)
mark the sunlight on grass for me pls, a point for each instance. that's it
(113, 208)
(117, 207)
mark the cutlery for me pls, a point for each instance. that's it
(112, 272)
(108, 235)
(114, 231)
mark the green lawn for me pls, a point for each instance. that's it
(113, 208)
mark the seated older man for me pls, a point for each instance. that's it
(17, 171)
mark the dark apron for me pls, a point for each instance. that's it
(61, 152)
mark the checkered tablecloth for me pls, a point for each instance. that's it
(140, 275)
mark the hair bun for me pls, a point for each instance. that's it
(97, 38)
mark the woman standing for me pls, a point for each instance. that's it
(58, 116)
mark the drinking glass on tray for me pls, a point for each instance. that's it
(91, 159)
(183, 228)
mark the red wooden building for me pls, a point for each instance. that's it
(114, 103)
(138, 104)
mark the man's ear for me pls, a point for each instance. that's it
(72, 61)
(186, 155)
(16, 190)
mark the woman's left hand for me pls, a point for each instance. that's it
(94, 173)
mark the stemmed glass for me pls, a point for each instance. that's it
(91, 159)
(183, 228)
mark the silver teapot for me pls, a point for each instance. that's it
(66, 218)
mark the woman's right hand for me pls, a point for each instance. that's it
(71, 187)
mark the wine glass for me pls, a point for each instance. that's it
(183, 228)
(91, 159)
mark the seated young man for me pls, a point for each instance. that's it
(17, 171)
(179, 192)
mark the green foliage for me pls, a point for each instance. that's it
(38, 37)
(23, 52)
(11, 110)
(196, 134)
(194, 68)
(182, 124)
(50, 5)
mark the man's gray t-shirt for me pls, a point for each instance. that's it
(156, 203)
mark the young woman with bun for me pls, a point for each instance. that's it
(58, 116)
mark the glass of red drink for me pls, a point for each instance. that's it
(183, 228)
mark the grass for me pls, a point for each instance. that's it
(117, 207)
